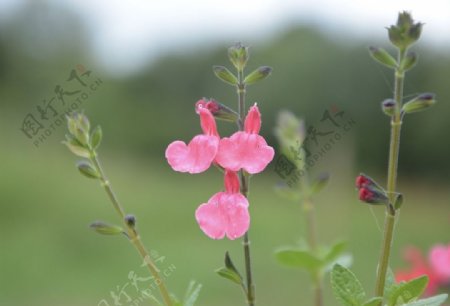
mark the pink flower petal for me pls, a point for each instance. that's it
(207, 121)
(224, 214)
(232, 184)
(440, 262)
(244, 150)
(252, 122)
(195, 157)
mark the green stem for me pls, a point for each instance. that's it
(250, 286)
(390, 218)
(132, 232)
(308, 207)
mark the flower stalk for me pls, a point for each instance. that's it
(83, 143)
(250, 286)
(402, 35)
(394, 148)
(132, 232)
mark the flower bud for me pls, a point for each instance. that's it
(363, 180)
(130, 220)
(408, 61)
(405, 32)
(106, 229)
(238, 55)
(372, 196)
(218, 110)
(388, 107)
(76, 147)
(258, 75)
(225, 75)
(79, 126)
(420, 103)
(96, 137)
(398, 201)
(88, 170)
(383, 57)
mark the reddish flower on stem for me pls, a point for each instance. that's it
(201, 151)
(246, 149)
(226, 213)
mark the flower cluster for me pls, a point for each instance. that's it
(437, 268)
(225, 213)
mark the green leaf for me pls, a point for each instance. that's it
(106, 229)
(229, 264)
(225, 75)
(389, 285)
(229, 274)
(257, 75)
(383, 57)
(299, 259)
(229, 271)
(88, 170)
(436, 300)
(408, 291)
(375, 301)
(409, 61)
(335, 251)
(96, 137)
(346, 287)
(192, 294)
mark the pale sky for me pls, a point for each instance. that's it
(127, 33)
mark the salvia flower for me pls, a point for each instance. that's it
(225, 213)
(201, 151)
(246, 149)
(437, 267)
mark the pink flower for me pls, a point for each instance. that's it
(226, 213)
(246, 149)
(201, 151)
(439, 258)
(419, 267)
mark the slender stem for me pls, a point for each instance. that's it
(318, 291)
(132, 232)
(250, 286)
(390, 218)
(308, 207)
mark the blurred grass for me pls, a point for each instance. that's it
(50, 257)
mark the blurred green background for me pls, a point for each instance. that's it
(48, 255)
